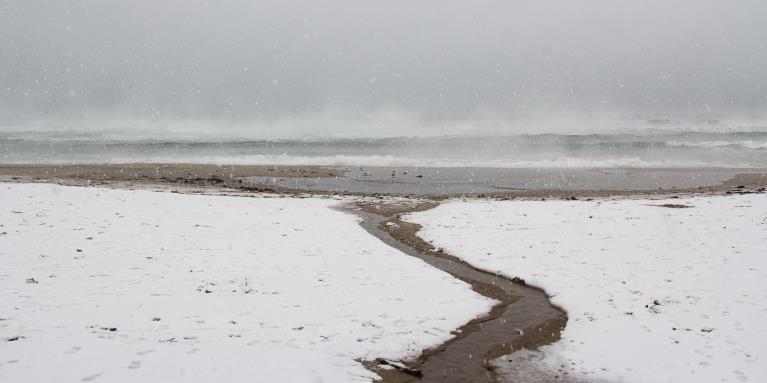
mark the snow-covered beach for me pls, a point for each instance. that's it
(103, 284)
(120, 285)
(655, 290)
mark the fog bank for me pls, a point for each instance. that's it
(359, 68)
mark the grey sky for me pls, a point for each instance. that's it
(436, 62)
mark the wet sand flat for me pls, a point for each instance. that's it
(480, 182)
(417, 182)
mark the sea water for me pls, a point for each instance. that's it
(655, 148)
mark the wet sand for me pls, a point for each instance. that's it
(432, 183)
(495, 182)
(195, 174)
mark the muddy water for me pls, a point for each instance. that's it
(523, 318)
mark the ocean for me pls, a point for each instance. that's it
(649, 149)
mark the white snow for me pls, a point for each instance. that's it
(207, 288)
(653, 294)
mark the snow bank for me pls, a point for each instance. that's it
(653, 294)
(116, 285)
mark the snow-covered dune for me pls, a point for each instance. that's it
(653, 294)
(117, 285)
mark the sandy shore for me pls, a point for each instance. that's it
(430, 183)
(191, 174)
(520, 182)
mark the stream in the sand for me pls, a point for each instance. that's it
(523, 318)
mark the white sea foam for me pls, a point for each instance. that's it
(396, 161)
(748, 144)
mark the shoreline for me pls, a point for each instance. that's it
(311, 180)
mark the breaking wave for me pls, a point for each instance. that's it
(395, 161)
(648, 150)
(753, 145)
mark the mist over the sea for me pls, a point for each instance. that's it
(234, 69)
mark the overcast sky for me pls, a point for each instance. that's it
(311, 65)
